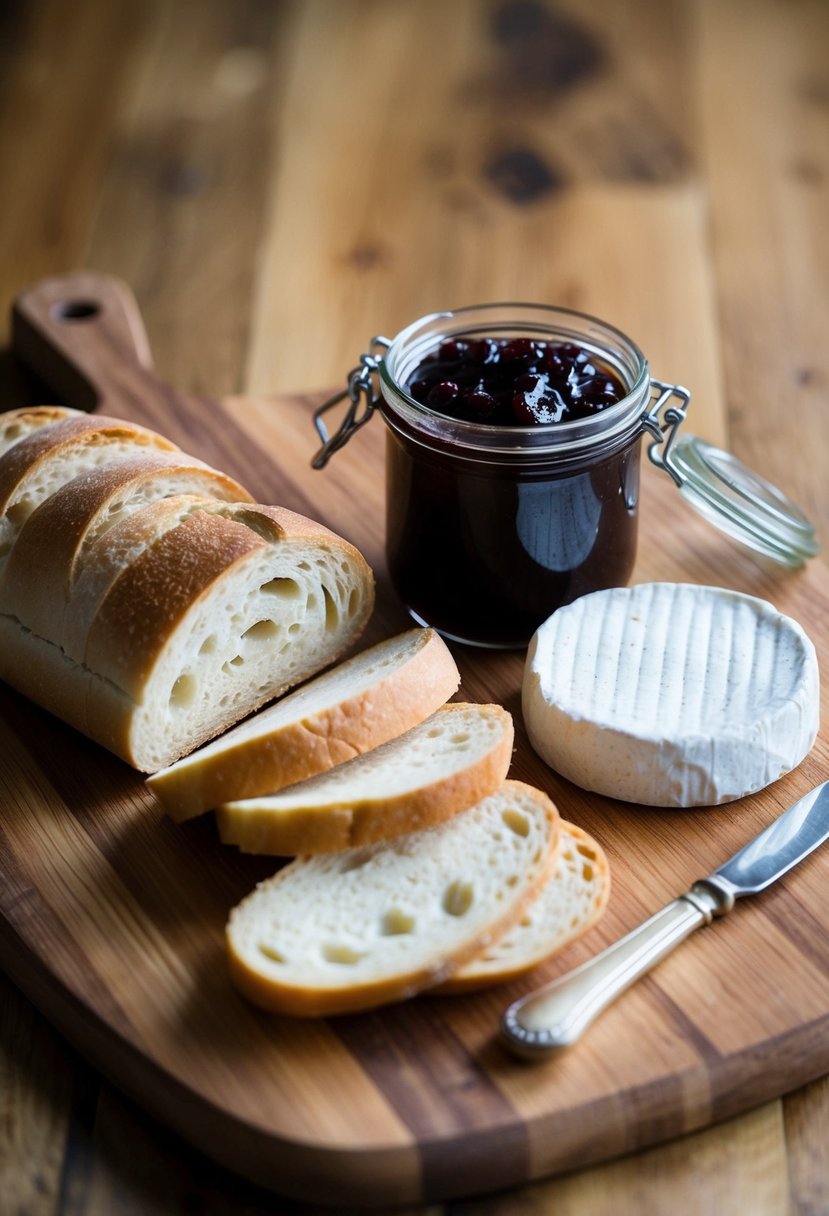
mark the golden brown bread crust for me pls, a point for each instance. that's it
(317, 742)
(43, 564)
(144, 605)
(332, 829)
(278, 523)
(112, 553)
(148, 601)
(24, 457)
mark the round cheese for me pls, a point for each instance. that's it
(670, 694)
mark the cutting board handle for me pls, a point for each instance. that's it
(83, 334)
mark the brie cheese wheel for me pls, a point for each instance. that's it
(671, 694)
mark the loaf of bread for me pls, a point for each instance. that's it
(348, 931)
(569, 903)
(145, 599)
(363, 702)
(447, 763)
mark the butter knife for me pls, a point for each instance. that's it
(553, 1017)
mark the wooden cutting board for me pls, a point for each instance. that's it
(113, 916)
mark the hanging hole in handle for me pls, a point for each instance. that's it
(75, 310)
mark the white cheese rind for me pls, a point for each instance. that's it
(671, 694)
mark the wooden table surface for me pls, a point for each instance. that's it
(280, 181)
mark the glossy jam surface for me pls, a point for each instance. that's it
(514, 381)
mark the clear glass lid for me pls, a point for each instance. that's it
(741, 503)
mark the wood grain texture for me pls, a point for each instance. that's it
(114, 916)
(686, 127)
(774, 256)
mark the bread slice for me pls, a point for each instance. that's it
(37, 465)
(353, 930)
(454, 758)
(569, 903)
(50, 549)
(17, 424)
(371, 698)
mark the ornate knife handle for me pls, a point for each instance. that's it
(552, 1018)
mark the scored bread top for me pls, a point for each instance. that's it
(152, 596)
(363, 702)
(37, 465)
(443, 765)
(49, 551)
(149, 600)
(348, 931)
(112, 553)
(571, 901)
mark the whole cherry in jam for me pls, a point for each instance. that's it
(514, 381)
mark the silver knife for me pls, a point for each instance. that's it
(552, 1018)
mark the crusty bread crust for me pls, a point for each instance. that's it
(150, 599)
(49, 550)
(112, 553)
(152, 596)
(263, 986)
(331, 827)
(242, 765)
(76, 431)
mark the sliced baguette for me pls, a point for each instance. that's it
(50, 549)
(569, 903)
(445, 764)
(353, 930)
(188, 620)
(217, 617)
(362, 703)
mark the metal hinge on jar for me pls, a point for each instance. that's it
(660, 451)
(361, 389)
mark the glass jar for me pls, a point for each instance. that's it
(491, 528)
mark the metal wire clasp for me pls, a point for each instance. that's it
(361, 385)
(674, 416)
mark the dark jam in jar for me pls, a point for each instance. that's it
(514, 381)
(512, 469)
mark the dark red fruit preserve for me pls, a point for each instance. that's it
(514, 381)
(512, 466)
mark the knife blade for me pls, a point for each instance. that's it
(552, 1018)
